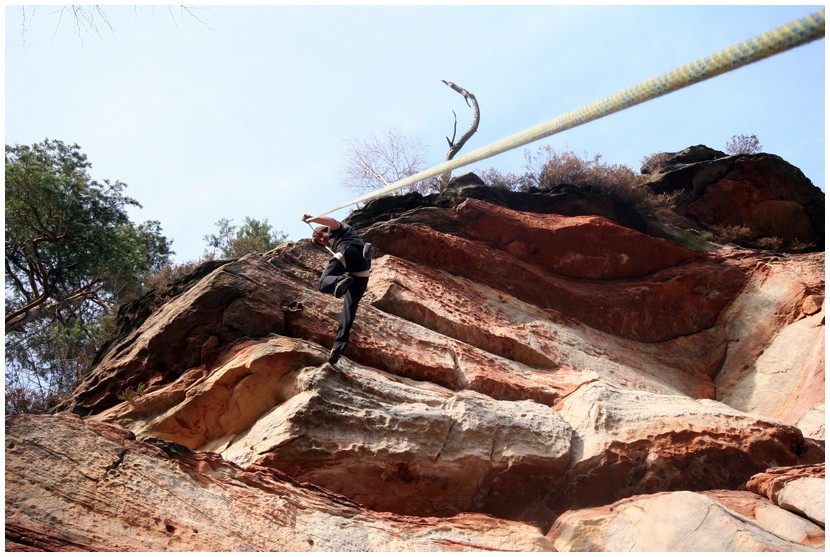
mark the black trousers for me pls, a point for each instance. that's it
(331, 275)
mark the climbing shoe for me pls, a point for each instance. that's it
(368, 251)
(334, 355)
(342, 286)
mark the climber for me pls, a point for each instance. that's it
(346, 275)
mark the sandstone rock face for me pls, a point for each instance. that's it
(389, 443)
(515, 381)
(105, 491)
(654, 523)
(639, 301)
(627, 442)
(799, 489)
(785, 513)
(762, 373)
(226, 305)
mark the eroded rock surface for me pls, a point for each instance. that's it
(683, 521)
(630, 442)
(798, 488)
(775, 329)
(386, 442)
(513, 371)
(105, 491)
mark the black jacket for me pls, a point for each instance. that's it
(343, 237)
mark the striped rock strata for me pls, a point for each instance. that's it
(508, 371)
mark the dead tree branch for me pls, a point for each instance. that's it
(455, 147)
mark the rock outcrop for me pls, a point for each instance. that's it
(687, 521)
(760, 199)
(520, 378)
(99, 489)
(799, 489)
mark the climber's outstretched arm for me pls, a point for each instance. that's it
(325, 221)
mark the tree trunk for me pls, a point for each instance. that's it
(455, 147)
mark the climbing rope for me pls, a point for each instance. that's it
(780, 39)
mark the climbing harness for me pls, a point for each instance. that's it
(780, 39)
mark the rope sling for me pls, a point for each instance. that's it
(780, 39)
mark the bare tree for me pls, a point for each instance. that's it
(455, 146)
(84, 19)
(376, 161)
(91, 19)
(743, 145)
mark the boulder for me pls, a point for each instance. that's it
(628, 442)
(798, 488)
(761, 200)
(681, 521)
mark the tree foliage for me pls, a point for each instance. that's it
(743, 145)
(69, 240)
(549, 167)
(232, 242)
(44, 362)
(72, 254)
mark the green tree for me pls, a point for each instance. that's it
(72, 254)
(232, 242)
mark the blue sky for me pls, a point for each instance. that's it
(247, 111)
